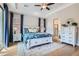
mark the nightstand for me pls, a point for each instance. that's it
(16, 37)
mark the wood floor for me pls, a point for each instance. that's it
(67, 50)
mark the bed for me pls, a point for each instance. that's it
(34, 39)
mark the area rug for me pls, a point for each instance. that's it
(38, 51)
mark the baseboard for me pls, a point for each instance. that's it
(70, 44)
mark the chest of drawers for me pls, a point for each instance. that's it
(68, 34)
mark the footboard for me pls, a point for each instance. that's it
(38, 41)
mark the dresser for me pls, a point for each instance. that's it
(69, 34)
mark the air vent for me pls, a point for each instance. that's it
(25, 5)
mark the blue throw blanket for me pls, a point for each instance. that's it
(33, 35)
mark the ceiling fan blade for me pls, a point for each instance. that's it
(47, 8)
(50, 3)
(37, 5)
(41, 8)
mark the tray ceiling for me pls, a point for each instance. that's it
(30, 9)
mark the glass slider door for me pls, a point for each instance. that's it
(1, 29)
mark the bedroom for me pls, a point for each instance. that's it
(23, 18)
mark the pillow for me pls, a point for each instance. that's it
(33, 30)
(26, 30)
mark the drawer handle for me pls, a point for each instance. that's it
(63, 39)
(70, 33)
(35, 42)
(63, 33)
(70, 41)
(63, 36)
(70, 37)
(46, 40)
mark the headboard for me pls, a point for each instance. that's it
(30, 29)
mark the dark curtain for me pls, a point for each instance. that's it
(6, 25)
(21, 30)
(39, 24)
(11, 27)
(45, 24)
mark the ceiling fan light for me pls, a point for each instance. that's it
(43, 7)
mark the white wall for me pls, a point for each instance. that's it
(63, 15)
(49, 25)
(30, 21)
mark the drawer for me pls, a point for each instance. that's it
(40, 41)
(70, 33)
(77, 41)
(70, 40)
(63, 36)
(67, 42)
(34, 42)
(70, 37)
(63, 39)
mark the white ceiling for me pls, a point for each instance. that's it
(35, 11)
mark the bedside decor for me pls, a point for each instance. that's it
(74, 24)
(15, 29)
(64, 25)
(70, 21)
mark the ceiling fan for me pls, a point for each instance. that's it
(45, 5)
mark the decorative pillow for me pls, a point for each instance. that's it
(33, 30)
(26, 30)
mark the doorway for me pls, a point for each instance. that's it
(56, 29)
